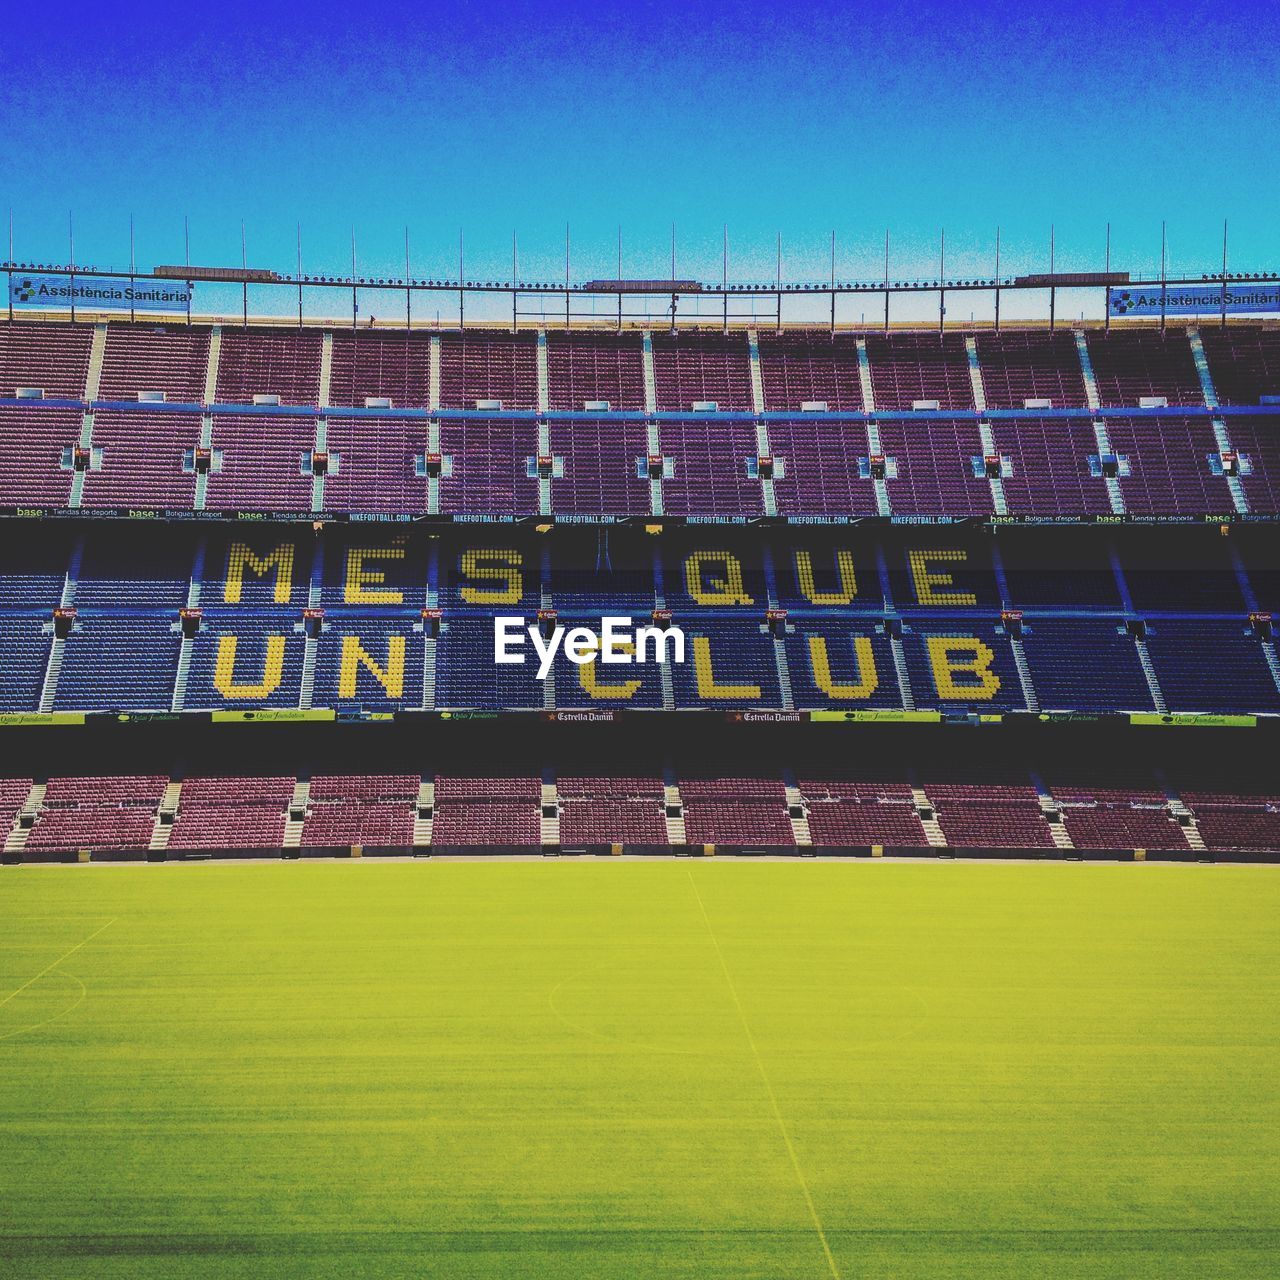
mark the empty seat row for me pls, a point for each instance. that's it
(702, 367)
(124, 812)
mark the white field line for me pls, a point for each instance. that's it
(66, 955)
(53, 1017)
(768, 1084)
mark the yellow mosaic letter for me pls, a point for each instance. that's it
(925, 579)
(707, 686)
(357, 588)
(868, 679)
(848, 579)
(241, 557)
(354, 655)
(591, 685)
(729, 589)
(493, 566)
(224, 669)
(946, 664)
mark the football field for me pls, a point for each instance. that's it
(612, 1068)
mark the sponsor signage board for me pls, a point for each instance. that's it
(1243, 297)
(98, 293)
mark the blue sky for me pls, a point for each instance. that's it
(771, 118)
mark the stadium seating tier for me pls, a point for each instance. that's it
(130, 454)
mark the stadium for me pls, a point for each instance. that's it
(633, 765)
(998, 529)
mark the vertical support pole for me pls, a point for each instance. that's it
(186, 240)
(1223, 317)
(566, 277)
(833, 284)
(515, 278)
(299, 276)
(886, 280)
(778, 285)
(71, 240)
(997, 279)
(673, 279)
(133, 269)
(408, 313)
(619, 277)
(1053, 289)
(724, 276)
(10, 272)
(1107, 316)
(354, 305)
(462, 305)
(942, 281)
(244, 280)
(1163, 289)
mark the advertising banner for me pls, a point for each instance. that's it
(1196, 299)
(96, 293)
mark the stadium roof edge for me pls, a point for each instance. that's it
(607, 326)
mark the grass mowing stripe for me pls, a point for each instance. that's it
(66, 955)
(768, 1084)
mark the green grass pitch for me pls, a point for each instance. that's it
(637, 1069)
